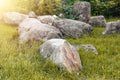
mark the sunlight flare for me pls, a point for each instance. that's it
(2, 3)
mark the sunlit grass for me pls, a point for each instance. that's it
(20, 62)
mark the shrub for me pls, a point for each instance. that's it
(48, 7)
(108, 8)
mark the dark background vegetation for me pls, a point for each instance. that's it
(108, 8)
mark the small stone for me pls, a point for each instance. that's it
(32, 14)
(87, 47)
(47, 19)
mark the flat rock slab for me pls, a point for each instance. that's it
(72, 28)
(97, 21)
(112, 27)
(13, 18)
(62, 54)
(33, 30)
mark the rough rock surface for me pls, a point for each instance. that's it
(33, 30)
(47, 19)
(112, 27)
(97, 21)
(32, 14)
(87, 47)
(62, 54)
(72, 28)
(13, 18)
(82, 10)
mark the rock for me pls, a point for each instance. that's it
(61, 15)
(82, 10)
(62, 54)
(97, 21)
(72, 28)
(33, 30)
(13, 18)
(112, 27)
(32, 14)
(47, 19)
(87, 47)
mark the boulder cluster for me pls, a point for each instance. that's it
(33, 28)
(53, 30)
(83, 11)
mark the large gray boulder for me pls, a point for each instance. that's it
(72, 28)
(112, 27)
(47, 19)
(62, 54)
(13, 18)
(82, 10)
(99, 21)
(33, 30)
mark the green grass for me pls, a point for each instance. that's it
(19, 62)
(112, 19)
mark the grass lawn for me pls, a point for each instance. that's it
(19, 62)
